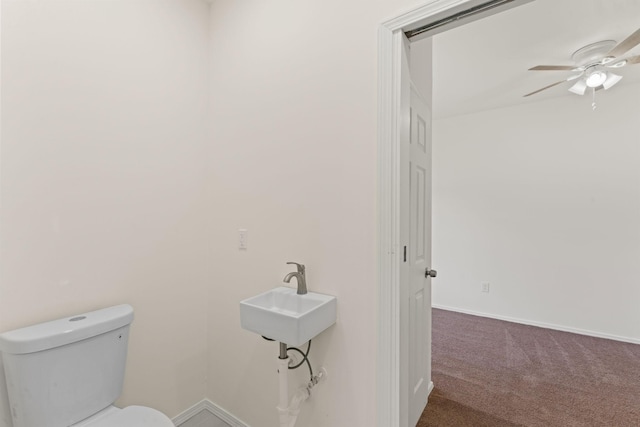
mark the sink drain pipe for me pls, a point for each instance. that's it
(283, 379)
(289, 411)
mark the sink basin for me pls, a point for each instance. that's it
(283, 315)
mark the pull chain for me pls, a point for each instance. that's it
(593, 103)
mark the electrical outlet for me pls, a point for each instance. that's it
(484, 287)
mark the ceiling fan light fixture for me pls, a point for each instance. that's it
(612, 79)
(596, 78)
(579, 88)
(592, 64)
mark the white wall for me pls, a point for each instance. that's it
(111, 192)
(543, 202)
(105, 192)
(294, 124)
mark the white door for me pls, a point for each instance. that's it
(415, 206)
(419, 257)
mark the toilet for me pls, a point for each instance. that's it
(70, 371)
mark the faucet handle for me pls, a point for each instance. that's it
(299, 266)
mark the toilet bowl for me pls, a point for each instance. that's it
(131, 416)
(70, 371)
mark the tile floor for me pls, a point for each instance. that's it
(205, 419)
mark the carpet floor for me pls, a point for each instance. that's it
(493, 373)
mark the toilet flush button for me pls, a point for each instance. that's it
(77, 318)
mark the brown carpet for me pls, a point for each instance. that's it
(493, 373)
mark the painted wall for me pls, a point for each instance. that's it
(294, 90)
(106, 197)
(113, 192)
(543, 202)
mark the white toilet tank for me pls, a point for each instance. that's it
(61, 372)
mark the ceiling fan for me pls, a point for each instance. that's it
(593, 64)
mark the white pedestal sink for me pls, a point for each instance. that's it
(283, 315)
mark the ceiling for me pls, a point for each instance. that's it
(484, 64)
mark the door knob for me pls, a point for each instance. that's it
(430, 273)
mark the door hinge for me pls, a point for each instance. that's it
(405, 254)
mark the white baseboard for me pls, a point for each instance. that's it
(212, 408)
(540, 324)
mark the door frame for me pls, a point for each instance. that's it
(391, 104)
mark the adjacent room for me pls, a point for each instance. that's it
(536, 199)
(536, 215)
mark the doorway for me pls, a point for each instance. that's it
(394, 81)
(390, 82)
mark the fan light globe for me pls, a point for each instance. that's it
(596, 78)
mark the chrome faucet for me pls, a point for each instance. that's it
(300, 277)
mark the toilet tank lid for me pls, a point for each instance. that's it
(44, 336)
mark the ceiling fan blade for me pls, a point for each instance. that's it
(544, 88)
(575, 76)
(634, 60)
(552, 68)
(626, 45)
